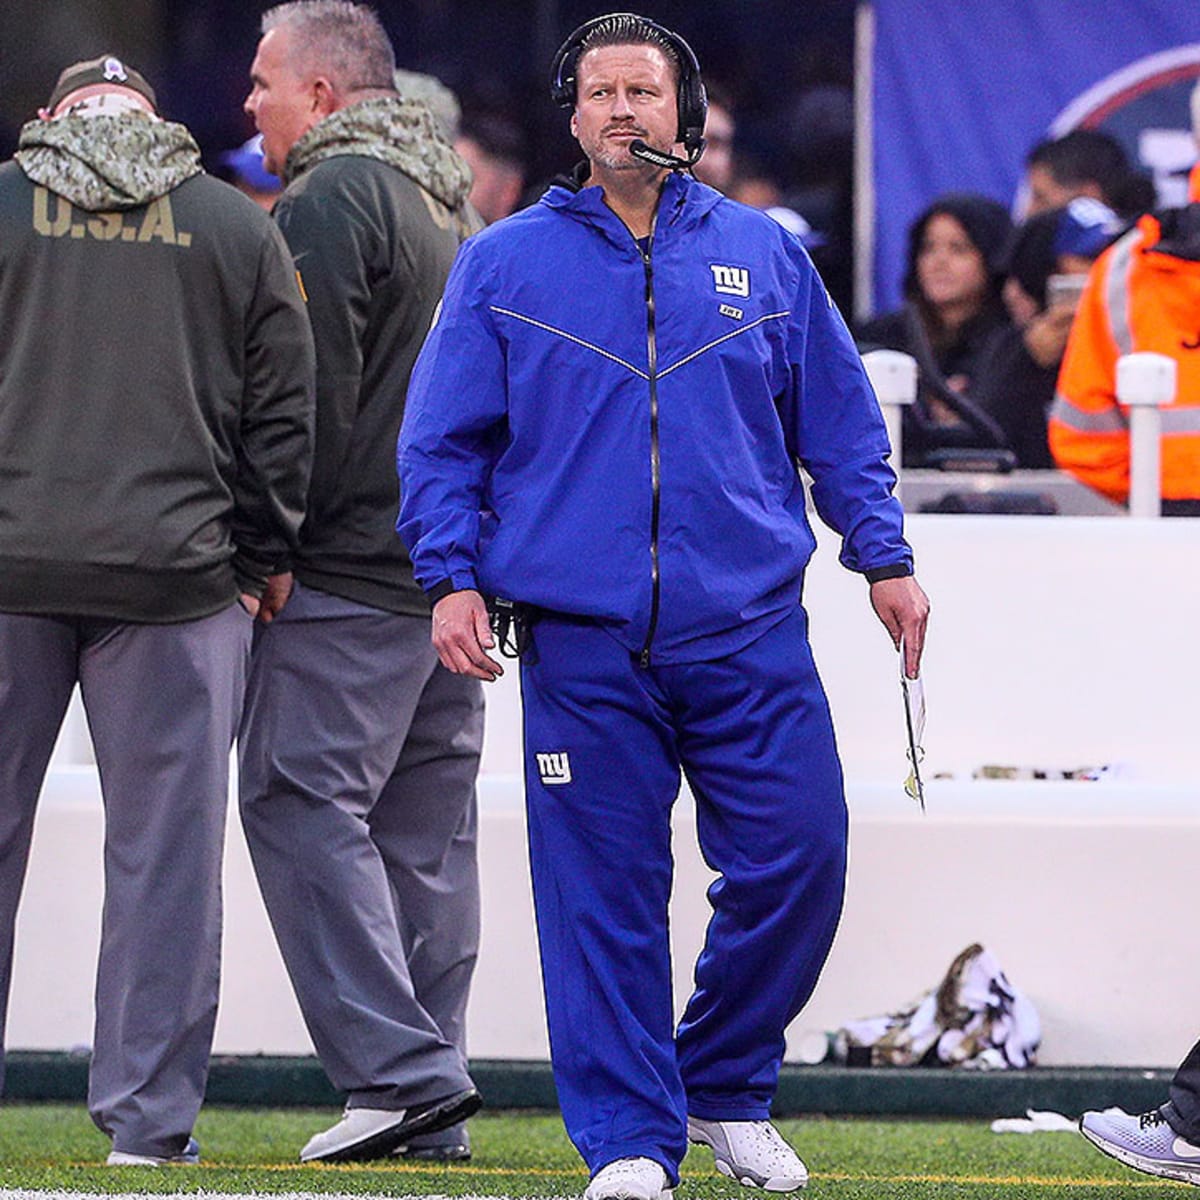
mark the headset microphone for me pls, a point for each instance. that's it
(659, 158)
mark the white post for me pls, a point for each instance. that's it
(893, 375)
(1145, 384)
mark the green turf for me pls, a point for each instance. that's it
(51, 1146)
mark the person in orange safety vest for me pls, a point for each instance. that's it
(1143, 293)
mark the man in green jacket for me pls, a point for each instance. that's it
(359, 751)
(156, 424)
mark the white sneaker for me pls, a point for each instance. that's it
(189, 1156)
(629, 1179)
(359, 1130)
(752, 1152)
(1146, 1143)
(364, 1134)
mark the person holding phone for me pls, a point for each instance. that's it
(1047, 263)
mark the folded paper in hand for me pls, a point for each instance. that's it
(914, 720)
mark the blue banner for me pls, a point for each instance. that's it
(962, 92)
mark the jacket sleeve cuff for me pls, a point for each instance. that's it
(251, 573)
(891, 571)
(452, 583)
(442, 588)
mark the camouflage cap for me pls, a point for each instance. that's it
(105, 69)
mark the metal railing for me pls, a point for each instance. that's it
(1146, 384)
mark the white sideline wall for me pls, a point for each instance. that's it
(1055, 643)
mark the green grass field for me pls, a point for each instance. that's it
(55, 1148)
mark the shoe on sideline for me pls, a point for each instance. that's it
(364, 1134)
(1145, 1142)
(752, 1152)
(189, 1156)
(629, 1179)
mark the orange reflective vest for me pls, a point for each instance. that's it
(1143, 293)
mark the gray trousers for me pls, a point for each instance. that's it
(162, 703)
(358, 755)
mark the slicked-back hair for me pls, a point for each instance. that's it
(337, 38)
(628, 29)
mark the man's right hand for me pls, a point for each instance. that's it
(462, 635)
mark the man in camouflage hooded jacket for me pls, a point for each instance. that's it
(156, 423)
(358, 750)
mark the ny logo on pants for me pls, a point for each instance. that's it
(554, 768)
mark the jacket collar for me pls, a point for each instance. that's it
(1174, 231)
(683, 202)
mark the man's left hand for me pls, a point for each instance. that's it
(904, 610)
(275, 596)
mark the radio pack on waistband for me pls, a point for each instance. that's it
(512, 623)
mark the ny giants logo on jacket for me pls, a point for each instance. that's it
(731, 281)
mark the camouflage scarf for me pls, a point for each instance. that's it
(108, 163)
(401, 133)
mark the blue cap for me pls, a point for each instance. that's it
(246, 162)
(1085, 227)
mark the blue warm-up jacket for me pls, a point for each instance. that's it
(605, 431)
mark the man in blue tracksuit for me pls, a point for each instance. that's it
(603, 428)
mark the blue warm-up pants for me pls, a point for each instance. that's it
(605, 740)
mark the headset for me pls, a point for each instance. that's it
(692, 98)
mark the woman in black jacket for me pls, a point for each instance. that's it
(952, 311)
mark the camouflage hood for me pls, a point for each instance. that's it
(401, 133)
(108, 163)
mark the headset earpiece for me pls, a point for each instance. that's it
(693, 111)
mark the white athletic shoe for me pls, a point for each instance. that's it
(189, 1156)
(359, 1129)
(364, 1134)
(752, 1152)
(629, 1179)
(1145, 1142)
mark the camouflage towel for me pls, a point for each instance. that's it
(974, 1018)
(401, 133)
(108, 163)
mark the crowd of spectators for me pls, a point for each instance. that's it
(989, 298)
(991, 315)
(985, 312)
(496, 69)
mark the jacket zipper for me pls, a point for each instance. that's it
(655, 461)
